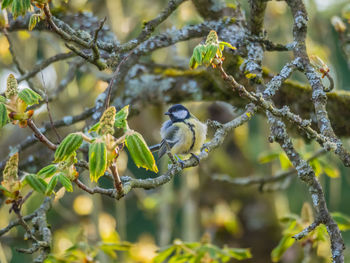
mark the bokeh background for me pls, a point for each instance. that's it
(193, 203)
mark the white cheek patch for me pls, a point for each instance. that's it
(181, 114)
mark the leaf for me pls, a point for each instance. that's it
(19, 7)
(120, 120)
(239, 253)
(51, 186)
(289, 218)
(285, 243)
(47, 171)
(36, 183)
(267, 157)
(331, 172)
(6, 3)
(210, 54)
(342, 220)
(2, 99)
(34, 19)
(29, 96)
(223, 44)
(316, 166)
(68, 147)
(97, 160)
(163, 255)
(193, 63)
(140, 152)
(64, 180)
(6, 192)
(3, 115)
(284, 161)
(121, 116)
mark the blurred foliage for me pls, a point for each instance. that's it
(85, 226)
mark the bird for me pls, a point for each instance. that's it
(182, 134)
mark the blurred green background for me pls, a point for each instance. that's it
(194, 203)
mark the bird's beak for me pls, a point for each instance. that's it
(167, 113)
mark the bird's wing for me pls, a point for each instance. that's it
(168, 133)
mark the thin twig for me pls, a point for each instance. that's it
(41, 137)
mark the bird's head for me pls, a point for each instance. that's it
(178, 113)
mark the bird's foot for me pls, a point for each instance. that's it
(196, 157)
(181, 162)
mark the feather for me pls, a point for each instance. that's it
(168, 133)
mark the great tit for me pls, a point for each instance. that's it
(183, 133)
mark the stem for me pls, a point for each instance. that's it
(41, 137)
(117, 182)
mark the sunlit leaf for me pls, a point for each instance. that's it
(284, 161)
(36, 183)
(34, 19)
(140, 152)
(223, 44)
(163, 255)
(316, 166)
(47, 171)
(267, 157)
(286, 242)
(239, 253)
(97, 160)
(2, 99)
(68, 147)
(65, 182)
(120, 118)
(29, 96)
(193, 63)
(51, 185)
(332, 172)
(210, 53)
(3, 115)
(342, 220)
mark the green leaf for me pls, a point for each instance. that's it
(47, 171)
(342, 220)
(36, 183)
(51, 186)
(140, 152)
(210, 53)
(223, 44)
(19, 7)
(6, 192)
(29, 96)
(6, 3)
(284, 161)
(65, 182)
(267, 157)
(289, 218)
(285, 243)
(95, 127)
(97, 160)
(163, 255)
(3, 115)
(2, 99)
(121, 116)
(316, 166)
(331, 172)
(68, 147)
(239, 253)
(34, 19)
(120, 120)
(193, 63)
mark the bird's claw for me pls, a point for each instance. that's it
(196, 157)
